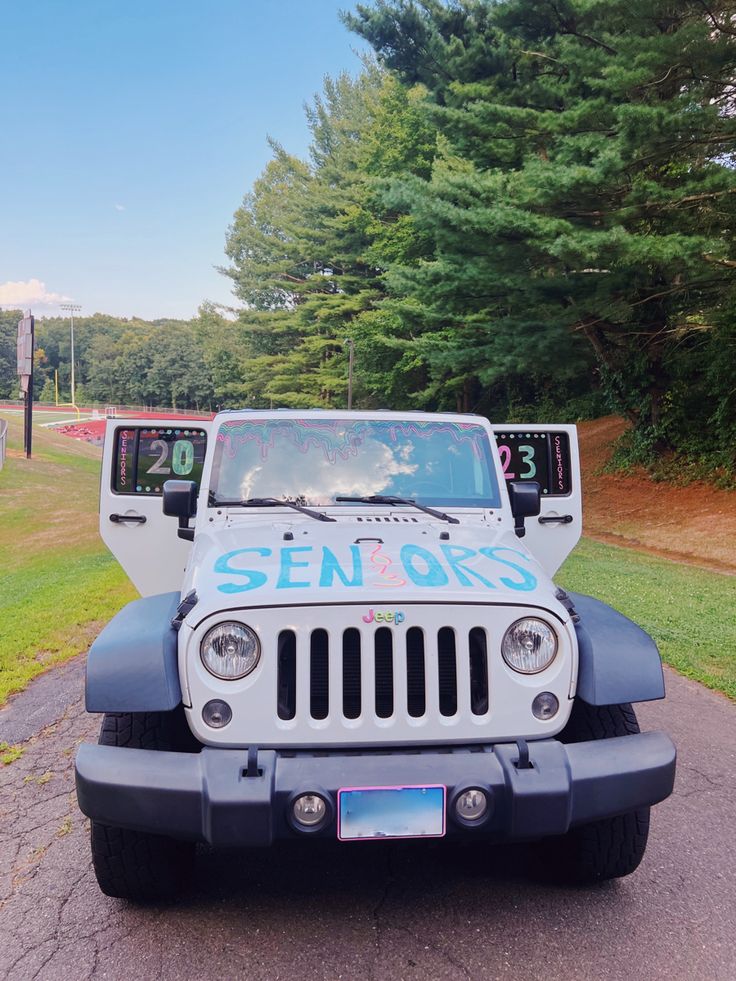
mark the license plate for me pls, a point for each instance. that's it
(368, 813)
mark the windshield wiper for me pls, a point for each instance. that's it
(268, 502)
(387, 499)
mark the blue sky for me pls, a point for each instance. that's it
(131, 132)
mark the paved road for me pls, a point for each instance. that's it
(381, 912)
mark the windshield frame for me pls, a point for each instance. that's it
(492, 501)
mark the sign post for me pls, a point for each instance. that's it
(26, 327)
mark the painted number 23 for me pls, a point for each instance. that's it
(527, 457)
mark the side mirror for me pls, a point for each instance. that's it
(180, 501)
(526, 502)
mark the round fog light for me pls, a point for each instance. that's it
(545, 706)
(309, 810)
(217, 713)
(471, 805)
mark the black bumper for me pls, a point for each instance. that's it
(208, 797)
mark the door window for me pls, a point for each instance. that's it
(541, 456)
(145, 458)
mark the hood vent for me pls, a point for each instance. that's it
(390, 517)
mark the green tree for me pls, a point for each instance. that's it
(103, 372)
(584, 190)
(218, 336)
(48, 392)
(9, 384)
(311, 242)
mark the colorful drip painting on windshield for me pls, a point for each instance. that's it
(313, 461)
(338, 438)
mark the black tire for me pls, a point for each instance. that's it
(612, 847)
(149, 730)
(135, 865)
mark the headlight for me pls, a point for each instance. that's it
(529, 646)
(230, 651)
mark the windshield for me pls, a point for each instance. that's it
(313, 461)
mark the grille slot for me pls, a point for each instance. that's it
(416, 698)
(319, 675)
(384, 669)
(286, 677)
(351, 674)
(478, 672)
(447, 671)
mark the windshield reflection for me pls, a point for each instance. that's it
(312, 461)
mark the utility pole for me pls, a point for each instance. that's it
(351, 347)
(72, 307)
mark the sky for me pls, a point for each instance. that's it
(131, 132)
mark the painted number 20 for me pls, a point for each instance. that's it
(182, 457)
(527, 457)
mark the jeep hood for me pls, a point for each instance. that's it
(295, 563)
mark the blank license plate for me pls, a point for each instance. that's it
(366, 813)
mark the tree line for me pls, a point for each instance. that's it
(521, 208)
(117, 361)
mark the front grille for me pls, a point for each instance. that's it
(384, 673)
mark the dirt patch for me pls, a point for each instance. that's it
(694, 524)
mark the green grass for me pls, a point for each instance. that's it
(58, 582)
(689, 612)
(9, 754)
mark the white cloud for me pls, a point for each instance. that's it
(120, 207)
(30, 293)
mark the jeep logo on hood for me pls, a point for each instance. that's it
(386, 616)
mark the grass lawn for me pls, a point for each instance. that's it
(691, 613)
(58, 582)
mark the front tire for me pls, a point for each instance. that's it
(606, 849)
(136, 865)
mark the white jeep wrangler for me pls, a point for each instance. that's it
(353, 632)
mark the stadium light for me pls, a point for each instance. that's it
(72, 308)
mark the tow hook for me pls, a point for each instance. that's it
(523, 762)
(251, 767)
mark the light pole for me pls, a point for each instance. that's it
(351, 348)
(72, 307)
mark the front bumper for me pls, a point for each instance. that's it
(208, 797)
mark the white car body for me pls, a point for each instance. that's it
(358, 638)
(277, 570)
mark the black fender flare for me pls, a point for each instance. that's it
(618, 661)
(132, 666)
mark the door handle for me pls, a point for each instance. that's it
(550, 519)
(139, 519)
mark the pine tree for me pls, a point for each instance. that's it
(310, 244)
(585, 187)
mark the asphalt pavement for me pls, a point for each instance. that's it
(421, 910)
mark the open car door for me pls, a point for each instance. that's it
(549, 455)
(139, 455)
